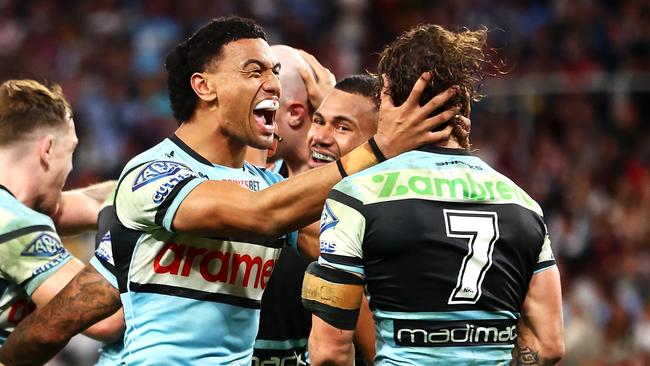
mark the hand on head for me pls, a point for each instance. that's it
(409, 126)
(319, 80)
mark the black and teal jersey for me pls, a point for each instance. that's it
(447, 247)
(284, 323)
(187, 299)
(30, 252)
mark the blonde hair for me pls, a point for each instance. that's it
(27, 105)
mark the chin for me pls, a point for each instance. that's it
(262, 143)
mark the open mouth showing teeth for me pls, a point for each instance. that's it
(264, 111)
(321, 158)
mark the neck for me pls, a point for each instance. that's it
(296, 161)
(211, 143)
(450, 144)
(21, 179)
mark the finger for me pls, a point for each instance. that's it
(386, 100)
(438, 136)
(464, 123)
(440, 118)
(308, 79)
(414, 97)
(320, 70)
(439, 100)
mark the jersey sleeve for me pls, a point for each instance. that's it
(342, 229)
(103, 261)
(30, 255)
(148, 196)
(546, 258)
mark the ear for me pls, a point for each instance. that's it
(297, 114)
(202, 87)
(45, 146)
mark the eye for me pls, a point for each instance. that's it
(343, 128)
(318, 121)
(255, 72)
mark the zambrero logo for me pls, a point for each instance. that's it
(214, 265)
(456, 187)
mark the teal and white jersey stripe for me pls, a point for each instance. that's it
(30, 252)
(187, 299)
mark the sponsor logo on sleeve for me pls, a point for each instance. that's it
(51, 263)
(158, 170)
(45, 245)
(104, 249)
(327, 219)
(327, 247)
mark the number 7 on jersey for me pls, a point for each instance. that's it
(481, 230)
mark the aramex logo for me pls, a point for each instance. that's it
(214, 265)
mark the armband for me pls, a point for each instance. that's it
(332, 295)
(364, 156)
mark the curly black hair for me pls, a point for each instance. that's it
(453, 58)
(196, 53)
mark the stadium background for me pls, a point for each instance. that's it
(569, 123)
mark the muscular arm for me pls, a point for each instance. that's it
(540, 339)
(87, 299)
(224, 209)
(308, 245)
(329, 345)
(78, 208)
(364, 334)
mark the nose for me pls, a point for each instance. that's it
(272, 85)
(321, 135)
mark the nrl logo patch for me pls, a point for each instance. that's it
(45, 245)
(327, 219)
(157, 170)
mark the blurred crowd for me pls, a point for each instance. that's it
(569, 122)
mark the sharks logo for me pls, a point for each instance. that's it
(158, 170)
(104, 250)
(45, 245)
(327, 219)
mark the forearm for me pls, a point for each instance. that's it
(87, 299)
(78, 208)
(109, 329)
(529, 355)
(279, 209)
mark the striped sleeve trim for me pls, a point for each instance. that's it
(541, 266)
(24, 231)
(346, 200)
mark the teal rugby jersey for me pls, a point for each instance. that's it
(30, 252)
(188, 300)
(447, 247)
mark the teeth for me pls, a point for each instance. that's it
(267, 105)
(320, 156)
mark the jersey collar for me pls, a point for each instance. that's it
(189, 150)
(443, 150)
(7, 190)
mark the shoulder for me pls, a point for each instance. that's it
(16, 217)
(269, 176)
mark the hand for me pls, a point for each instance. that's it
(319, 82)
(407, 127)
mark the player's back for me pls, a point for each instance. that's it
(448, 247)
